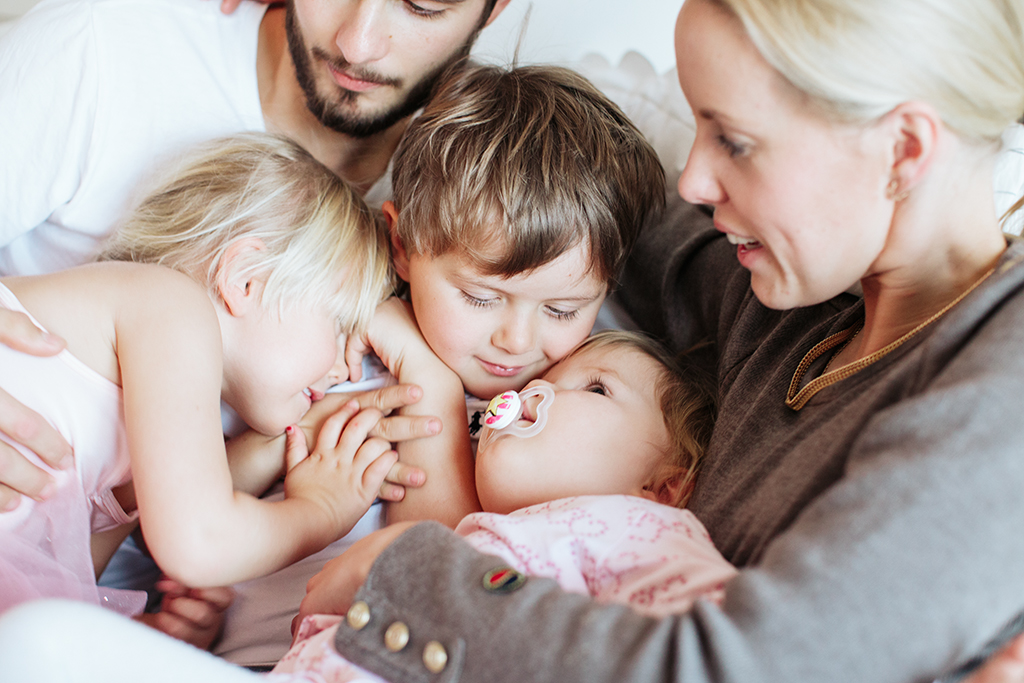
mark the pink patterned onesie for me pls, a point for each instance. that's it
(44, 547)
(619, 549)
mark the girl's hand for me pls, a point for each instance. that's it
(193, 615)
(25, 426)
(333, 589)
(343, 474)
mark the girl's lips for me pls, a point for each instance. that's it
(349, 83)
(500, 370)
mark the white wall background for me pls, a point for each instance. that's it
(558, 30)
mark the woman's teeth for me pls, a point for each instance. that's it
(736, 239)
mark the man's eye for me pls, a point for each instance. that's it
(423, 11)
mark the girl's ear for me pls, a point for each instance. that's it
(240, 291)
(670, 486)
(915, 129)
(399, 257)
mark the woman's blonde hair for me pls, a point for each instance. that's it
(534, 160)
(686, 399)
(859, 59)
(322, 247)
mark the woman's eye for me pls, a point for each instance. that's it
(731, 148)
(562, 314)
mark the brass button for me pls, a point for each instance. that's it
(435, 657)
(358, 615)
(396, 637)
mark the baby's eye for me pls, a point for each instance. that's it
(561, 314)
(597, 387)
(476, 301)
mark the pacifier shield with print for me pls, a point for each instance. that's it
(506, 409)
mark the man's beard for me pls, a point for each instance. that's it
(332, 114)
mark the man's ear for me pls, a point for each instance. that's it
(399, 257)
(498, 7)
(670, 486)
(241, 291)
(915, 130)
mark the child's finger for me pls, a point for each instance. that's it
(404, 475)
(18, 332)
(369, 452)
(390, 398)
(358, 429)
(355, 349)
(397, 428)
(373, 475)
(333, 426)
(295, 450)
(392, 493)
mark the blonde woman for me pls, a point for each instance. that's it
(250, 261)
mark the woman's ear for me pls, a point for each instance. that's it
(399, 256)
(670, 486)
(240, 289)
(916, 127)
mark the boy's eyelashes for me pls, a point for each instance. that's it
(557, 313)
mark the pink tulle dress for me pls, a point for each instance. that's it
(45, 546)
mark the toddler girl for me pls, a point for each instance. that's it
(592, 500)
(253, 259)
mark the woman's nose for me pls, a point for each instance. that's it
(698, 184)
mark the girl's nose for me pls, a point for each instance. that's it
(364, 36)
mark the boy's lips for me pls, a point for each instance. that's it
(501, 370)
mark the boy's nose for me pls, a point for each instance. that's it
(363, 36)
(515, 335)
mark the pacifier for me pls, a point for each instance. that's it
(505, 409)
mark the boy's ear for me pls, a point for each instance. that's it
(241, 292)
(670, 486)
(399, 257)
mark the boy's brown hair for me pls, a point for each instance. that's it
(527, 162)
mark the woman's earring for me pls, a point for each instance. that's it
(892, 191)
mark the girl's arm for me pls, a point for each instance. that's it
(449, 493)
(200, 531)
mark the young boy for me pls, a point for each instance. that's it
(518, 194)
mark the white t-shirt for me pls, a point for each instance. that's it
(96, 96)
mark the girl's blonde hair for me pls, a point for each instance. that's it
(687, 403)
(322, 247)
(859, 59)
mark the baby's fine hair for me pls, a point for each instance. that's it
(321, 245)
(687, 401)
(527, 162)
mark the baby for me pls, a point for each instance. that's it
(592, 500)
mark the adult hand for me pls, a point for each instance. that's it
(1006, 666)
(334, 588)
(25, 426)
(193, 615)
